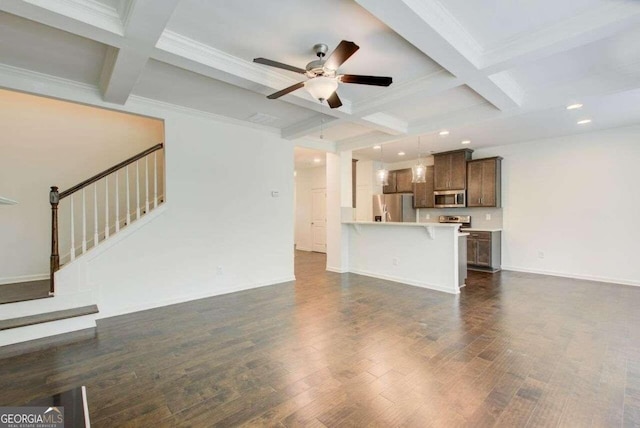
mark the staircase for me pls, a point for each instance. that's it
(104, 208)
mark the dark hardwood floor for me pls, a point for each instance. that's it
(346, 350)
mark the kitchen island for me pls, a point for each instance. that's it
(421, 254)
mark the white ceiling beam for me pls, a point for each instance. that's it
(145, 24)
(427, 25)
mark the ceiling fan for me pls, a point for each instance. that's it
(322, 73)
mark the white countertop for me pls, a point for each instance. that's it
(480, 230)
(402, 224)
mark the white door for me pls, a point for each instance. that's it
(319, 220)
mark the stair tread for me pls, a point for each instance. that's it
(23, 291)
(48, 317)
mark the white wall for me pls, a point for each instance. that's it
(217, 216)
(574, 201)
(306, 181)
(48, 142)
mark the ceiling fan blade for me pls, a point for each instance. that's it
(285, 91)
(366, 80)
(342, 53)
(279, 65)
(334, 100)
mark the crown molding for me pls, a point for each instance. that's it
(51, 86)
(91, 12)
(35, 82)
(185, 47)
(136, 100)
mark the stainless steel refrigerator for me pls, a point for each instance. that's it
(393, 207)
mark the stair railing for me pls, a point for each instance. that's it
(115, 218)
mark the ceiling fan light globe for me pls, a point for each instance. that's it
(321, 87)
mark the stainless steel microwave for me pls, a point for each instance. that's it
(449, 198)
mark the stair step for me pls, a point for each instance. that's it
(47, 317)
(24, 291)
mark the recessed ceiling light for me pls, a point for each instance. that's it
(584, 121)
(377, 147)
(465, 142)
(317, 160)
(574, 106)
(401, 153)
(444, 132)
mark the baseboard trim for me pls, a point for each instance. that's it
(405, 281)
(15, 349)
(303, 249)
(106, 313)
(336, 270)
(573, 276)
(23, 278)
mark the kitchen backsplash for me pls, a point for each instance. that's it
(478, 216)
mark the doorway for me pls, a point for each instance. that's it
(310, 233)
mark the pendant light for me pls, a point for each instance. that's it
(419, 170)
(382, 174)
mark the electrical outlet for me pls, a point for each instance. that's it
(395, 261)
(219, 271)
(428, 216)
(540, 255)
(487, 216)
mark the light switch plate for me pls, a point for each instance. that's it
(487, 216)
(275, 194)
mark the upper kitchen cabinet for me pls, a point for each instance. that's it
(483, 182)
(423, 192)
(403, 181)
(450, 170)
(399, 182)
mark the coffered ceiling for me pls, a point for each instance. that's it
(493, 72)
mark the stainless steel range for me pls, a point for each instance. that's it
(464, 220)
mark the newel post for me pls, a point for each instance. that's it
(54, 199)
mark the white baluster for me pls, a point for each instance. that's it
(96, 238)
(126, 171)
(155, 179)
(117, 204)
(137, 190)
(72, 252)
(146, 183)
(84, 222)
(106, 207)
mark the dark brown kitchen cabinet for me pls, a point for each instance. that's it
(450, 170)
(483, 250)
(403, 181)
(423, 192)
(483, 182)
(399, 182)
